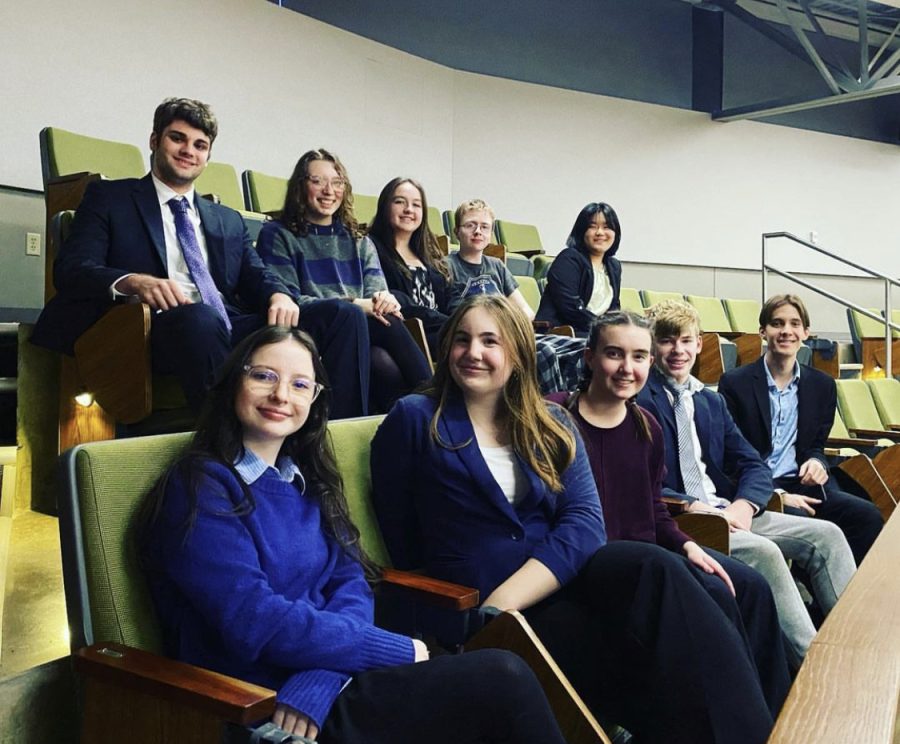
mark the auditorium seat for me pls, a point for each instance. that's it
(449, 218)
(219, 182)
(742, 348)
(115, 638)
(530, 291)
(519, 265)
(868, 341)
(519, 237)
(630, 299)
(651, 296)
(886, 395)
(264, 193)
(364, 208)
(436, 222)
(859, 412)
(541, 265)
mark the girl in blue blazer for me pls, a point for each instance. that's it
(479, 481)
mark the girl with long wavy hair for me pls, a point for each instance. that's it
(318, 251)
(479, 481)
(256, 571)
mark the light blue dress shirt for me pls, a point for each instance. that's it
(783, 409)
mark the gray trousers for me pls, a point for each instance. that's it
(817, 546)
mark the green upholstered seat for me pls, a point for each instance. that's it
(886, 396)
(264, 193)
(530, 291)
(865, 327)
(106, 593)
(856, 405)
(712, 314)
(435, 221)
(630, 299)
(519, 265)
(64, 153)
(651, 296)
(450, 225)
(364, 208)
(519, 237)
(743, 315)
(542, 264)
(221, 179)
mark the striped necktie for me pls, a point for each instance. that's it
(692, 478)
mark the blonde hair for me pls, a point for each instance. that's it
(673, 318)
(472, 205)
(537, 436)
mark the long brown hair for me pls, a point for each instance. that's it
(294, 213)
(537, 436)
(422, 242)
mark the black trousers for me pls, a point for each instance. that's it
(192, 342)
(398, 365)
(858, 518)
(648, 647)
(480, 697)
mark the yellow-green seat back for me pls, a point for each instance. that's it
(630, 299)
(886, 395)
(221, 179)
(743, 315)
(712, 314)
(450, 225)
(264, 193)
(517, 236)
(652, 296)
(856, 405)
(435, 221)
(542, 264)
(530, 291)
(64, 153)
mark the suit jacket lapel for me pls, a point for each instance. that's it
(456, 428)
(147, 203)
(761, 395)
(666, 413)
(215, 243)
(805, 399)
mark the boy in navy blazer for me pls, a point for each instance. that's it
(786, 412)
(710, 465)
(192, 261)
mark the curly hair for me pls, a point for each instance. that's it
(196, 113)
(294, 213)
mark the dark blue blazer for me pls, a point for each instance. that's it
(118, 230)
(734, 466)
(570, 283)
(440, 508)
(746, 391)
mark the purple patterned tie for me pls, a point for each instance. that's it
(190, 249)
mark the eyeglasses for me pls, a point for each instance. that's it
(265, 380)
(472, 227)
(317, 182)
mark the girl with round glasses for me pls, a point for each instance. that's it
(257, 571)
(585, 278)
(411, 259)
(318, 251)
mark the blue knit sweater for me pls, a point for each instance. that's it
(266, 597)
(325, 263)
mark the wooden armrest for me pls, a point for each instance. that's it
(563, 330)
(893, 427)
(706, 528)
(431, 591)
(776, 503)
(540, 326)
(709, 367)
(850, 442)
(675, 506)
(496, 250)
(417, 330)
(877, 434)
(227, 698)
(749, 347)
(113, 358)
(529, 253)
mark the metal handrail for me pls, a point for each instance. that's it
(888, 281)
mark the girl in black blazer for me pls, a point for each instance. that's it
(584, 279)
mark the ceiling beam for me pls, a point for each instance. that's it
(789, 106)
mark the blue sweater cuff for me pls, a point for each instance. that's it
(381, 648)
(312, 692)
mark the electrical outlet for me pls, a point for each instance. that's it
(33, 244)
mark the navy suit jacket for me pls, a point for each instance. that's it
(570, 283)
(440, 508)
(732, 464)
(746, 391)
(118, 230)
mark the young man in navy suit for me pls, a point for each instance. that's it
(712, 467)
(153, 240)
(786, 412)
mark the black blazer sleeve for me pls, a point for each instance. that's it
(570, 282)
(614, 270)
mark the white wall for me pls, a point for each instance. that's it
(688, 191)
